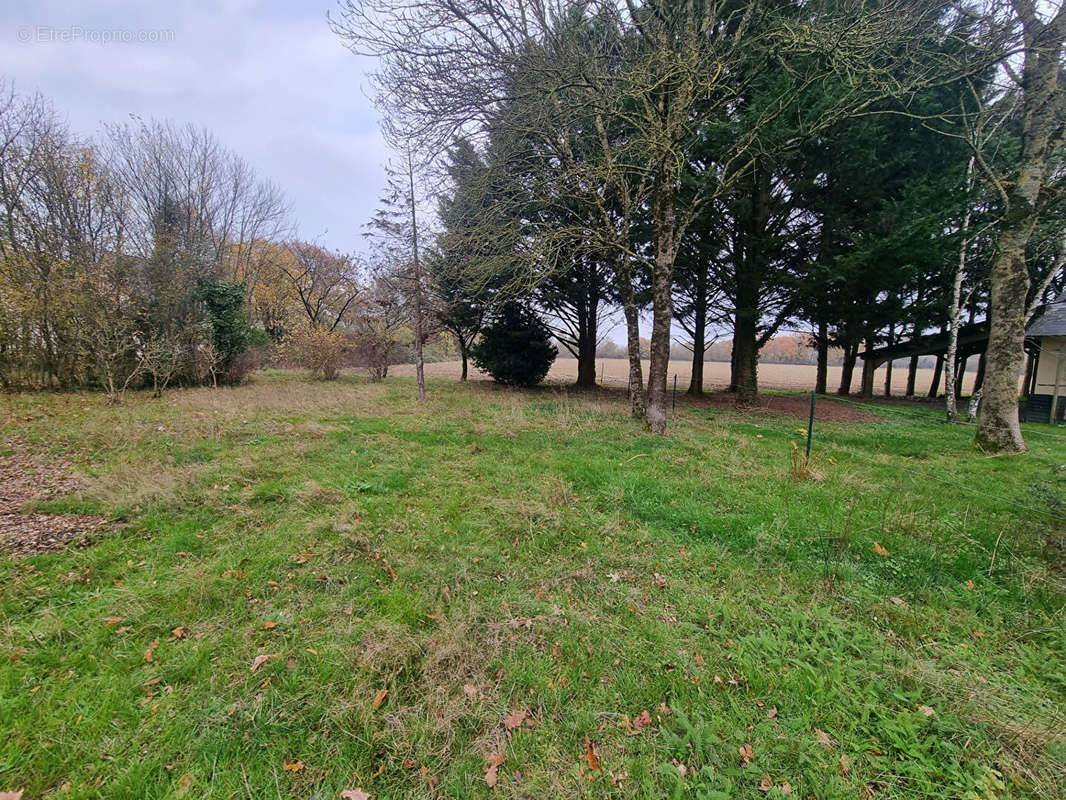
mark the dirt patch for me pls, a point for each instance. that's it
(785, 405)
(26, 476)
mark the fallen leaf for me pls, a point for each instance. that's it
(619, 778)
(379, 698)
(765, 784)
(178, 632)
(491, 774)
(879, 550)
(927, 710)
(185, 782)
(643, 720)
(431, 780)
(11, 795)
(969, 585)
(292, 766)
(899, 601)
(786, 788)
(660, 581)
(469, 690)
(771, 713)
(823, 737)
(844, 764)
(355, 794)
(515, 720)
(149, 654)
(261, 659)
(590, 757)
(746, 754)
(267, 626)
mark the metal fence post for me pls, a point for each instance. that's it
(810, 428)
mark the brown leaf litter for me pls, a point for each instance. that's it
(26, 477)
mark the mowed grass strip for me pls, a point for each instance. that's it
(311, 588)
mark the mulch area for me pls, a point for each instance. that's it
(26, 476)
(786, 405)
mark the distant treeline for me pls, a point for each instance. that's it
(779, 350)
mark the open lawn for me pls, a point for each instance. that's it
(304, 589)
(615, 372)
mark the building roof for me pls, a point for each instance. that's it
(1051, 321)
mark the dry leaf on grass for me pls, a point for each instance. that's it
(355, 794)
(824, 739)
(515, 720)
(746, 754)
(844, 765)
(149, 654)
(11, 795)
(269, 625)
(786, 788)
(927, 710)
(590, 756)
(765, 784)
(642, 720)
(771, 713)
(292, 766)
(878, 550)
(261, 659)
(178, 632)
(492, 773)
(379, 698)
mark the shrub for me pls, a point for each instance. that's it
(318, 350)
(515, 348)
(231, 327)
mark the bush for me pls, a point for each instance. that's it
(231, 326)
(515, 348)
(318, 350)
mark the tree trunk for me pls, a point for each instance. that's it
(960, 375)
(979, 379)
(662, 304)
(420, 364)
(1030, 368)
(912, 375)
(464, 355)
(868, 368)
(934, 386)
(586, 361)
(586, 342)
(624, 277)
(822, 374)
(847, 370)
(957, 302)
(998, 428)
(699, 336)
(750, 275)
(745, 357)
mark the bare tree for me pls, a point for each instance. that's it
(397, 228)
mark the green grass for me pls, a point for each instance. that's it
(501, 551)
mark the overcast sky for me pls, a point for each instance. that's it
(266, 76)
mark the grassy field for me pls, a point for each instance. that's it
(309, 589)
(615, 372)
